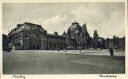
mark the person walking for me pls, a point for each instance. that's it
(111, 52)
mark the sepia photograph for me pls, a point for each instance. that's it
(63, 38)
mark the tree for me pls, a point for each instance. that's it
(95, 35)
(64, 34)
(68, 37)
(103, 43)
(95, 39)
(56, 33)
(5, 42)
(81, 38)
(107, 42)
(115, 42)
(84, 36)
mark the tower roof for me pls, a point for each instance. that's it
(75, 23)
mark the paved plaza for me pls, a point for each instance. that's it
(63, 62)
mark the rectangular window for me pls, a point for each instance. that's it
(25, 35)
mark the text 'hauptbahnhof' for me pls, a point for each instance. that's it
(30, 36)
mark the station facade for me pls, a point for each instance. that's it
(29, 36)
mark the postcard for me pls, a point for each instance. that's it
(63, 39)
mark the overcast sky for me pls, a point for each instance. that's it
(106, 18)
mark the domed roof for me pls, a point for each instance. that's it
(74, 26)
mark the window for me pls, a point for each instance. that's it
(15, 36)
(25, 35)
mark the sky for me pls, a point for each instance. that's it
(105, 17)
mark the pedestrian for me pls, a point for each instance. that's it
(111, 52)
